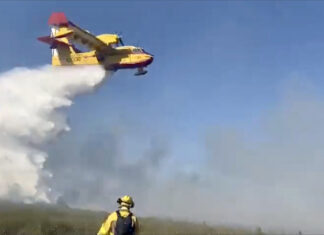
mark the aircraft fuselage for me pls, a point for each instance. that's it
(127, 60)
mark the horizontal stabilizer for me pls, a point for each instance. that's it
(52, 41)
(64, 34)
(58, 19)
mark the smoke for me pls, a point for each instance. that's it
(270, 175)
(105, 165)
(32, 104)
(267, 175)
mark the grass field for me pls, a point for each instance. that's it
(22, 219)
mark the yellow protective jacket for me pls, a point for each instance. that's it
(108, 227)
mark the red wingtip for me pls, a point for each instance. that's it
(58, 19)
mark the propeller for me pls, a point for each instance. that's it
(120, 40)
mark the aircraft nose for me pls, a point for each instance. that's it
(150, 59)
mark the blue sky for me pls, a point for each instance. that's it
(217, 64)
(227, 59)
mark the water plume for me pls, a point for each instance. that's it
(32, 112)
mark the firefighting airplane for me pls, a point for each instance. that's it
(105, 49)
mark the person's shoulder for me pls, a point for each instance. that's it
(113, 215)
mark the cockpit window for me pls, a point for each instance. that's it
(137, 50)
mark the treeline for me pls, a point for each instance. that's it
(22, 219)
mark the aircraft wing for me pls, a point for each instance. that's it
(88, 40)
(75, 34)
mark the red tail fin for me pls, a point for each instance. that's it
(58, 19)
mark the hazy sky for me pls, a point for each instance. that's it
(226, 126)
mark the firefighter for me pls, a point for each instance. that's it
(122, 221)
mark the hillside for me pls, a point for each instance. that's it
(22, 219)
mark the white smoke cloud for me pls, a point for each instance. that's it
(273, 181)
(31, 102)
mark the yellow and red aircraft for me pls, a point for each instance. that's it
(105, 49)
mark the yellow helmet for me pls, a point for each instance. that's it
(126, 201)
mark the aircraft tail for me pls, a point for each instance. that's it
(58, 19)
(58, 40)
